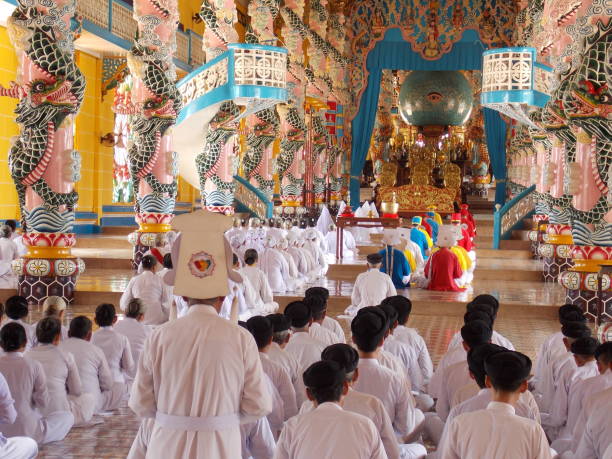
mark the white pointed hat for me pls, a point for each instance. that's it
(201, 256)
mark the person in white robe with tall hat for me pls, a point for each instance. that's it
(349, 246)
(312, 245)
(28, 385)
(115, 346)
(295, 276)
(95, 374)
(371, 287)
(498, 431)
(63, 380)
(302, 346)
(8, 253)
(15, 447)
(136, 332)
(392, 388)
(407, 244)
(150, 289)
(316, 434)
(200, 376)
(274, 265)
(261, 299)
(367, 405)
(303, 258)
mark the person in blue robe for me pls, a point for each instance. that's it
(394, 262)
(417, 236)
(434, 225)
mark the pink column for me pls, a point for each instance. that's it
(42, 161)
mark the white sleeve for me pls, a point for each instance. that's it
(356, 296)
(391, 291)
(127, 296)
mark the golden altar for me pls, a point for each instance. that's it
(417, 198)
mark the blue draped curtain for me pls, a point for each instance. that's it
(495, 132)
(396, 54)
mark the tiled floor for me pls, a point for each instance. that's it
(113, 437)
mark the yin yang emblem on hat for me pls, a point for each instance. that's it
(201, 264)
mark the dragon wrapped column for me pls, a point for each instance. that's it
(156, 103)
(42, 160)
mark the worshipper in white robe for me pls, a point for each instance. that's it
(237, 291)
(95, 374)
(328, 322)
(26, 380)
(585, 393)
(316, 434)
(136, 332)
(257, 440)
(303, 258)
(169, 296)
(597, 432)
(295, 276)
(360, 234)
(410, 336)
(497, 431)
(17, 310)
(151, 290)
(525, 405)
(318, 307)
(277, 352)
(237, 243)
(311, 244)
(457, 354)
(371, 287)
(63, 381)
(15, 447)
(551, 350)
(349, 246)
(580, 367)
(17, 238)
(198, 397)
(8, 253)
(325, 219)
(115, 346)
(489, 305)
(393, 389)
(274, 265)
(261, 298)
(302, 346)
(54, 306)
(474, 333)
(367, 405)
(568, 440)
(262, 330)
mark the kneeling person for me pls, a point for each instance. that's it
(316, 434)
(94, 371)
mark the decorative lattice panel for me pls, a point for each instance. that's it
(124, 25)
(95, 11)
(182, 47)
(260, 67)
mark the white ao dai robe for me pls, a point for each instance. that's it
(28, 385)
(191, 390)
(116, 348)
(495, 432)
(15, 447)
(411, 337)
(136, 333)
(260, 294)
(274, 265)
(63, 383)
(153, 292)
(8, 253)
(370, 288)
(329, 432)
(96, 377)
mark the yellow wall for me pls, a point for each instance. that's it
(93, 121)
(8, 128)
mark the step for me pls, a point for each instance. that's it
(107, 263)
(118, 230)
(501, 253)
(506, 274)
(103, 242)
(513, 244)
(345, 272)
(520, 235)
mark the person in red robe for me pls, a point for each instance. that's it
(466, 240)
(443, 268)
(468, 218)
(426, 225)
